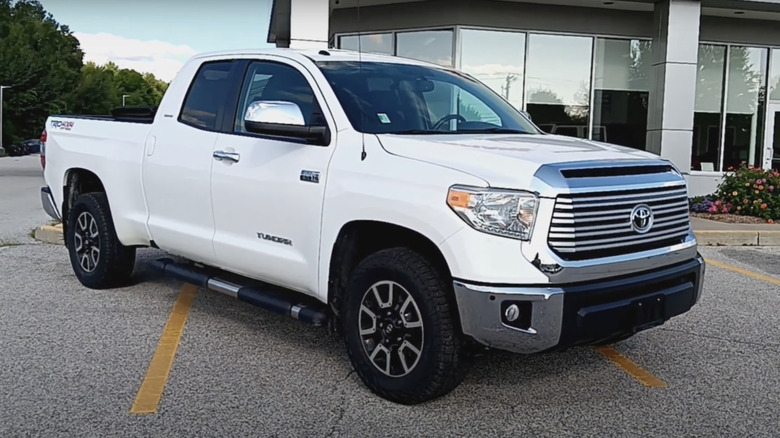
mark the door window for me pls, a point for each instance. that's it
(206, 95)
(274, 81)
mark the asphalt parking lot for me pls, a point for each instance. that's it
(72, 360)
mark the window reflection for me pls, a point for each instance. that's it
(558, 83)
(372, 43)
(434, 46)
(774, 80)
(496, 58)
(622, 88)
(705, 153)
(744, 106)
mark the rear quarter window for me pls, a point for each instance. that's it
(206, 95)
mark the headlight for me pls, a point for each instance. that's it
(507, 213)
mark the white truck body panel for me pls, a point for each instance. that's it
(505, 160)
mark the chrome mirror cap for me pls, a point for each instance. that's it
(274, 111)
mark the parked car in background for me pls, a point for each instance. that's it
(27, 147)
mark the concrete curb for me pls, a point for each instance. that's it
(737, 238)
(50, 234)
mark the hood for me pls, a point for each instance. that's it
(507, 160)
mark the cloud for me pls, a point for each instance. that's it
(162, 59)
(492, 71)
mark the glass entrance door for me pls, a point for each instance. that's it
(772, 137)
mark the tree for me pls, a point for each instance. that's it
(142, 89)
(41, 60)
(95, 94)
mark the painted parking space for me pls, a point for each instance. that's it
(74, 362)
(151, 391)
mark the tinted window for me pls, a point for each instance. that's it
(396, 98)
(274, 81)
(206, 95)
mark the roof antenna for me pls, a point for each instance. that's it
(360, 70)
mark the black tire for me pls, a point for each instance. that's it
(112, 265)
(442, 364)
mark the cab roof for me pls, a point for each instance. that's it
(316, 55)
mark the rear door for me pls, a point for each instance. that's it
(178, 160)
(268, 203)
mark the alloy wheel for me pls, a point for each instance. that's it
(391, 328)
(86, 240)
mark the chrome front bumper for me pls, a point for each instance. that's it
(49, 206)
(557, 317)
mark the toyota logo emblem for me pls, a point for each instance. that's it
(642, 219)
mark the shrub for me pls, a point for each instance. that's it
(701, 204)
(748, 191)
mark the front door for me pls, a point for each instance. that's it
(268, 192)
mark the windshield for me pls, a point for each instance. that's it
(382, 98)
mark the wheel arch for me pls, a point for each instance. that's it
(78, 181)
(358, 239)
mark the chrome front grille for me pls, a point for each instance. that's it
(591, 225)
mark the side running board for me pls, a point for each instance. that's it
(274, 300)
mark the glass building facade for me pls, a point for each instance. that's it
(582, 86)
(598, 88)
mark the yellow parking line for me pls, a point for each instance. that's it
(745, 272)
(148, 398)
(631, 368)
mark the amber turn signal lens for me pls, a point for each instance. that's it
(458, 199)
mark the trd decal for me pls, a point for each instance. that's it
(58, 124)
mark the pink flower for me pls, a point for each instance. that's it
(725, 210)
(771, 188)
(718, 203)
(713, 209)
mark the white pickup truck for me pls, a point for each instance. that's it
(406, 206)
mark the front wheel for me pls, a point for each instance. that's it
(98, 258)
(401, 328)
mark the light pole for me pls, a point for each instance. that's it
(123, 98)
(2, 87)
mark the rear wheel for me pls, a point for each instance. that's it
(401, 328)
(98, 259)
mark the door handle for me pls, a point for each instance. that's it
(222, 155)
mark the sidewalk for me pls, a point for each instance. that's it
(714, 233)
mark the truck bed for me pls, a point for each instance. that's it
(122, 114)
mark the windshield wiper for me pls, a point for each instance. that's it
(494, 131)
(418, 132)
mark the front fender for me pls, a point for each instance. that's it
(386, 188)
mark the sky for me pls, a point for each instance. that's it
(158, 36)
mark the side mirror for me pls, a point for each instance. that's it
(283, 119)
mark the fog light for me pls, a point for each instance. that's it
(512, 313)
